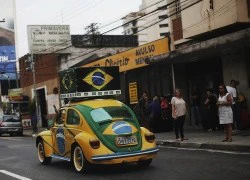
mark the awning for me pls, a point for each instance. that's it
(202, 50)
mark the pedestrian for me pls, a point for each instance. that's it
(143, 110)
(225, 111)
(235, 107)
(196, 106)
(155, 114)
(164, 107)
(178, 113)
(210, 104)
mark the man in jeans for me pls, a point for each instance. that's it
(196, 106)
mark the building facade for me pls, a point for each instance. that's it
(47, 67)
(210, 47)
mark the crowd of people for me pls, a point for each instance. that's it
(211, 112)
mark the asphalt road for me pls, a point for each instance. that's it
(18, 156)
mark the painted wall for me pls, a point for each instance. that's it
(200, 18)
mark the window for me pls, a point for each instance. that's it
(178, 8)
(163, 17)
(60, 116)
(109, 113)
(163, 34)
(163, 25)
(73, 118)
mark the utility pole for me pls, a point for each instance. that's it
(31, 67)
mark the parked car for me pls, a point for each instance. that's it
(11, 124)
(100, 131)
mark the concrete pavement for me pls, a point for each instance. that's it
(199, 139)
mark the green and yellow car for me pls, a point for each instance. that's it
(99, 131)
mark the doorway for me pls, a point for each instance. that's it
(42, 106)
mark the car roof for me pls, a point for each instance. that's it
(97, 103)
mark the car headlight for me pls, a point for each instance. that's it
(94, 143)
(150, 137)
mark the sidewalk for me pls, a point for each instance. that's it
(200, 139)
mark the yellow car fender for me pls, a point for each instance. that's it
(145, 143)
(82, 139)
(46, 137)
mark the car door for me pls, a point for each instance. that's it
(71, 129)
(58, 135)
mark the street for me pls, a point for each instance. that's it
(18, 156)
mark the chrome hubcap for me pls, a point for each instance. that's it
(40, 152)
(78, 158)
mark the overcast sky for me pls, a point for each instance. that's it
(76, 13)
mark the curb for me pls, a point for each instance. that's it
(224, 147)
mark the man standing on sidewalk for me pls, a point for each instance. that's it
(236, 113)
(195, 106)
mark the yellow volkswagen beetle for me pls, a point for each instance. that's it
(99, 131)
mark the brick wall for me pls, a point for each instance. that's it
(45, 67)
(177, 29)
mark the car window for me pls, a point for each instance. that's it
(11, 119)
(72, 117)
(109, 113)
(60, 116)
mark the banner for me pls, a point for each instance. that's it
(7, 41)
(89, 81)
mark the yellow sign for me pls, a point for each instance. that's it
(134, 58)
(133, 94)
(15, 94)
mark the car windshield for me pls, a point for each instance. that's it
(110, 113)
(10, 119)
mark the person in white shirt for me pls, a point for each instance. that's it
(178, 113)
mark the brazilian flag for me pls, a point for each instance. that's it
(67, 81)
(98, 79)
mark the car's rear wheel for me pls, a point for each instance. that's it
(41, 154)
(144, 163)
(80, 163)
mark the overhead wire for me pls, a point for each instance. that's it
(142, 29)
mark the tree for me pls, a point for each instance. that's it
(92, 29)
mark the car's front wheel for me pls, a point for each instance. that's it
(80, 163)
(41, 154)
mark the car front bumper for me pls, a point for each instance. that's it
(125, 154)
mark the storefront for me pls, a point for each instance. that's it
(154, 79)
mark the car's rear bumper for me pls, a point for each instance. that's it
(124, 154)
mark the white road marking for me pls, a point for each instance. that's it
(208, 150)
(14, 175)
(7, 158)
(12, 139)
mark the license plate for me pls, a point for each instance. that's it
(129, 140)
(12, 129)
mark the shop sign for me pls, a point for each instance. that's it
(15, 94)
(133, 94)
(134, 58)
(45, 39)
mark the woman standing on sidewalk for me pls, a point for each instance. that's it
(178, 113)
(225, 112)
